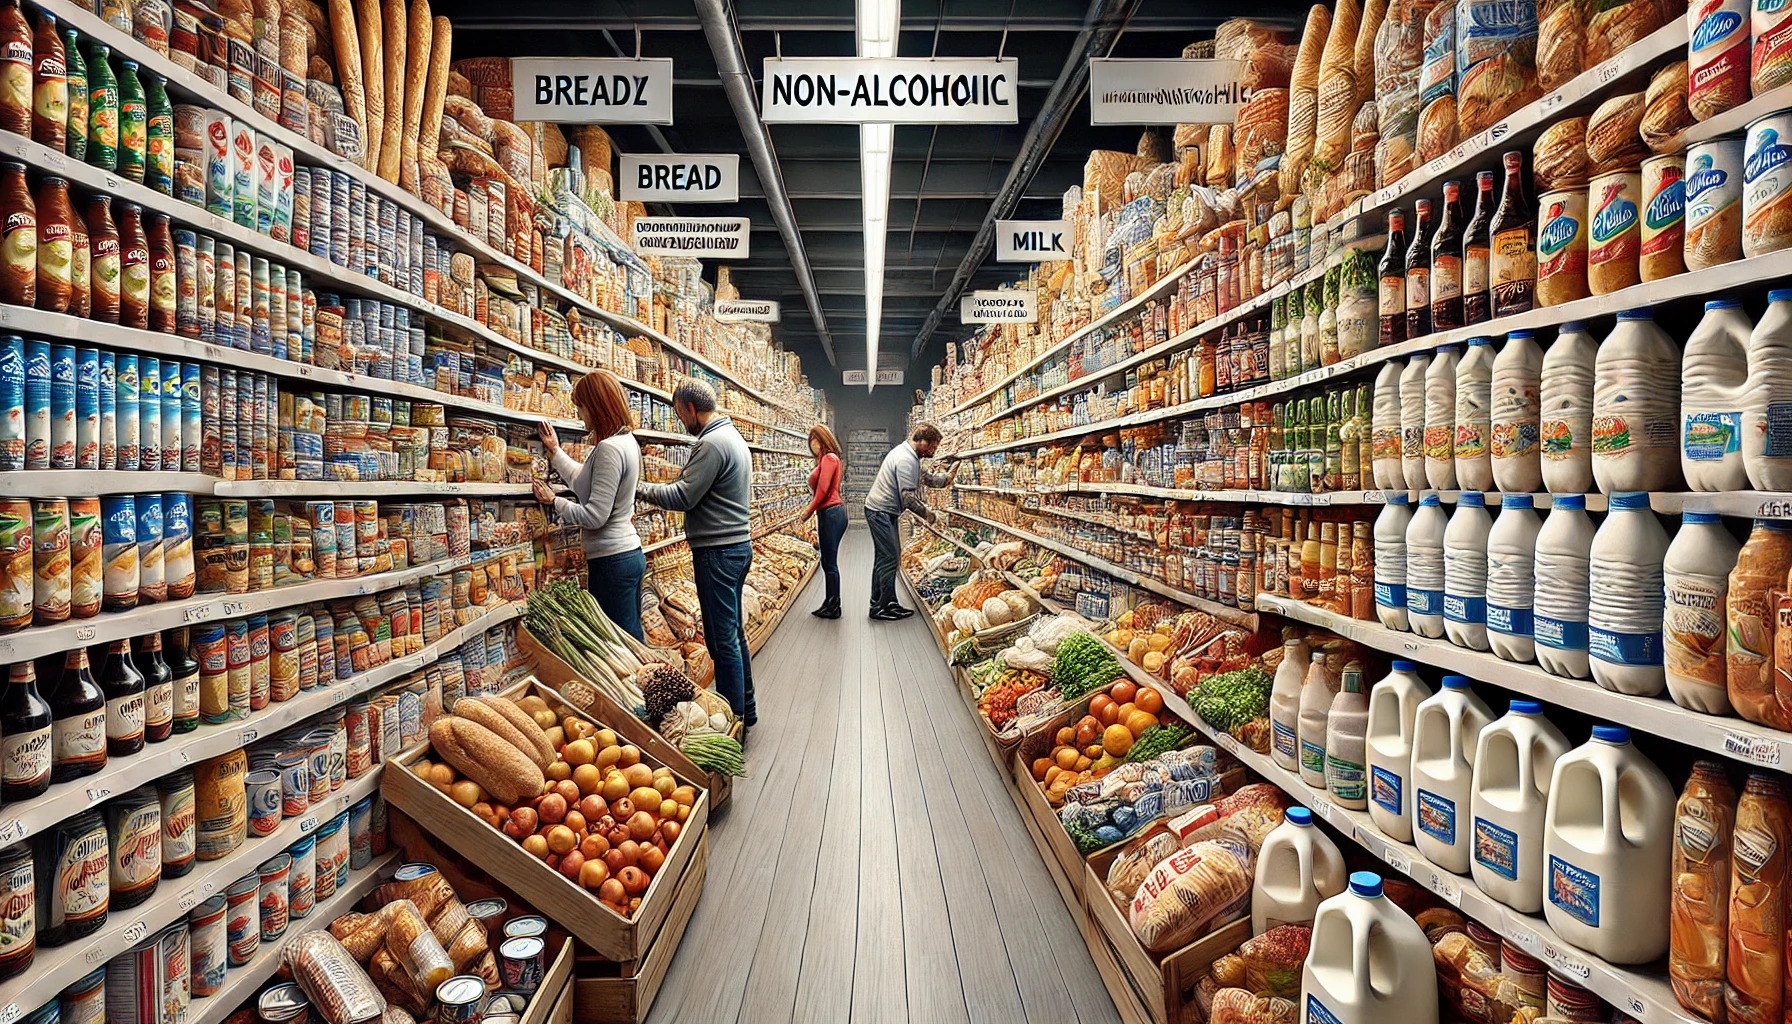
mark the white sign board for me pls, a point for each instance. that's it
(1168, 91)
(1008, 306)
(746, 311)
(1034, 241)
(692, 236)
(854, 378)
(894, 90)
(592, 90)
(680, 177)
(889, 376)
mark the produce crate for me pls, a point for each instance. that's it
(555, 673)
(553, 1002)
(1069, 859)
(758, 638)
(561, 899)
(610, 992)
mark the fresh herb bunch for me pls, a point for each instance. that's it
(1232, 699)
(1084, 665)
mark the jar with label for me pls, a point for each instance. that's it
(84, 1002)
(134, 829)
(104, 274)
(25, 745)
(18, 910)
(179, 824)
(15, 69)
(18, 221)
(73, 871)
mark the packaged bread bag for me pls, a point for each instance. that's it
(1437, 85)
(1612, 25)
(1303, 99)
(1614, 134)
(1197, 886)
(1496, 61)
(1561, 34)
(1665, 116)
(1560, 156)
(1399, 55)
(1337, 89)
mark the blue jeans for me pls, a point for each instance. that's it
(615, 581)
(888, 545)
(831, 524)
(721, 572)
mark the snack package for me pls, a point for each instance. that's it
(339, 990)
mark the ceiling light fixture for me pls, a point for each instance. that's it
(879, 24)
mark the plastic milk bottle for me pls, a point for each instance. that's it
(1559, 618)
(1696, 581)
(1517, 376)
(1369, 963)
(1393, 704)
(1465, 572)
(1412, 421)
(1513, 764)
(1296, 869)
(1445, 731)
(1624, 598)
(1767, 433)
(1717, 393)
(1511, 578)
(1284, 704)
(1390, 561)
(1636, 407)
(1440, 420)
(1565, 399)
(1425, 568)
(1384, 428)
(1474, 417)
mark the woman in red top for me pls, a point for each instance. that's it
(830, 511)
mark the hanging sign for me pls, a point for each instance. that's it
(999, 306)
(746, 311)
(1033, 241)
(592, 90)
(692, 236)
(680, 177)
(893, 90)
(889, 376)
(854, 378)
(1168, 91)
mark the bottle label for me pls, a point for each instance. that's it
(1437, 816)
(137, 850)
(158, 705)
(186, 697)
(1390, 595)
(1425, 602)
(1438, 442)
(1471, 440)
(25, 758)
(1392, 296)
(1312, 757)
(1446, 278)
(82, 888)
(1284, 740)
(1779, 430)
(1514, 440)
(81, 738)
(1465, 608)
(1612, 436)
(1344, 778)
(1624, 648)
(1560, 634)
(1558, 439)
(1574, 891)
(1512, 269)
(179, 821)
(1511, 621)
(1319, 1013)
(124, 717)
(1385, 443)
(1412, 442)
(1709, 436)
(1386, 789)
(1474, 270)
(1418, 288)
(1496, 849)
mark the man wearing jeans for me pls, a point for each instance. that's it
(714, 492)
(898, 487)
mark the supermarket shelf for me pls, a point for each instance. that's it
(32, 817)
(360, 488)
(1738, 118)
(969, 551)
(86, 483)
(677, 538)
(57, 967)
(1219, 611)
(1734, 738)
(242, 982)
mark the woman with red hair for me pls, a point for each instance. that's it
(830, 512)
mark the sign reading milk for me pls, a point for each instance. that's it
(1034, 241)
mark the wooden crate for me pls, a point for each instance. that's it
(553, 1001)
(758, 638)
(555, 673)
(553, 894)
(610, 993)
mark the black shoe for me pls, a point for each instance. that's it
(899, 612)
(888, 615)
(828, 610)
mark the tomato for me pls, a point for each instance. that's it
(1110, 714)
(1123, 691)
(1150, 701)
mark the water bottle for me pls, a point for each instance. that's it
(1696, 583)
(1425, 568)
(1511, 578)
(1767, 436)
(1412, 421)
(1465, 572)
(1717, 392)
(1385, 428)
(1560, 609)
(1474, 417)
(1390, 562)
(1636, 407)
(1440, 420)
(1517, 376)
(1624, 593)
(1565, 408)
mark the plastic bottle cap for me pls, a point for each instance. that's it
(1471, 499)
(1515, 335)
(1429, 499)
(1525, 707)
(1366, 884)
(1780, 295)
(1572, 327)
(1773, 524)
(1403, 665)
(1457, 682)
(1573, 502)
(1611, 733)
(1298, 816)
(1644, 313)
(1723, 304)
(1700, 517)
(1473, 342)
(1628, 500)
(1451, 349)
(1515, 501)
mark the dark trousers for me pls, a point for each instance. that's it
(720, 574)
(831, 522)
(615, 582)
(888, 545)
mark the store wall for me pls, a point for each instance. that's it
(885, 408)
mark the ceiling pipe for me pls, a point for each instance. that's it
(1103, 25)
(731, 67)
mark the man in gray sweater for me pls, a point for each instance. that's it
(714, 493)
(898, 488)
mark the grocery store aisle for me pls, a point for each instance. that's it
(873, 869)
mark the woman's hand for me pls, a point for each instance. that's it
(548, 436)
(543, 493)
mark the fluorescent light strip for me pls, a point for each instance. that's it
(879, 23)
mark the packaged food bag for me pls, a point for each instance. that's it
(1191, 889)
(1303, 99)
(1437, 85)
(1561, 42)
(1496, 61)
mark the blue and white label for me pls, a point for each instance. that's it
(1390, 595)
(1511, 621)
(1284, 740)
(1709, 436)
(1425, 602)
(1624, 648)
(1464, 608)
(1312, 757)
(1386, 789)
(1496, 849)
(1317, 1012)
(1559, 633)
(1574, 891)
(1437, 816)
(1344, 778)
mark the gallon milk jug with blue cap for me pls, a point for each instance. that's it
(1513, 764)
(1695, 577)
(1393, 704)
(1559, 614)
(1474, 416)
(1607, 846)
(1767, 433)
(1384, 428)
(1369, 963)
(1624, 598)
(1425, 568)
(1565, 410)
(1412, 421)
(1511, 578)
(1390, 561)
(1465, 572)
(1636, 407)
(1445, 731)
(1440, 419)
(1717, 391)
(1517, 375)
(1296, 869)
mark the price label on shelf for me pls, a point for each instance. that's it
(307, 824)
(248, 735)
(233, 608)
(1610, 70)
(1761, 750)
(199, 613)
(1636, 1006)
(1498, 132)
(135, 932)
(1528, 941)
(1397, 860)
(1375, 497)
(12, 832)
(1322, 807)
(97, 793)
(1566, 962)
(85, 633)
(1446, 885)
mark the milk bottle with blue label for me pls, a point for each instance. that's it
(1513, 763)
(1412, 421)
(1393, 704)
(1297, 868)
(1474, 417)
(1284, 704)
(1384, 428)
(1624, 598)
(1517, 377)
(1696, 582)
(1767, 431)
(1346, 729)
(1559, 619)
(1390, 561)
(1511, 578)
(1369, 963)
(1316, 695)
(1425, 568)
(1718, 392)
(1440, 419)
(1465, 572)
(1565, 400)
(1636, 407)
(1445, 730)
(1607, 847)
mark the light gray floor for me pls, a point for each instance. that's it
(873, 870)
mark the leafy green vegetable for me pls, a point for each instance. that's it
(1157, 740)
(1232, 699)
(1084, 664)
(1085, 838)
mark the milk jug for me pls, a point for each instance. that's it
(1393, 704)
(1390, 561)
(1513, 763)
(1517, 374)
(1716, 393)
(1425, 568)
(1607, 844)
(1695, 578)
(1369, 963)
(1296, 869)
(1412, 421)
(1346, 731)
(1559, 612)
(1444, 733)
(1315, 707)
(1624, 598)
(1284, 704)
(1565, 410)
(1465, 572)
(1511, 578)
(1384, 428)
(1636, 407)
(1440, 420)
(1474, 416)
(1767, 427)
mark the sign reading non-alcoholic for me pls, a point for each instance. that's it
(692, 236)
(1006, 306)
(1167, 91)
(592, 90)
(739, 311)
(680, 177)
(1033, 241)
(895, 90)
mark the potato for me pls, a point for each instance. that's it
(466, 793)
(545, 719)
(605, 738)
(558, 770)
(556, 736)
(441, 776)
(532, 704)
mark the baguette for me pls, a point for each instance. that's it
(481, 755)
(344, 38)
(416, 77)
(435, 92)
(390, 143)
(373, 81)
(475, 710)
(544, 754)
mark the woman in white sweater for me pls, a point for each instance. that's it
(603, 506)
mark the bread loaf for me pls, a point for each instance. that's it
(1437, 85)
(1561, 41)
(373, 81)
(391, 139)
(475, 709)
(1665, 117)
(1220, 157)
(435, 93)
(339, 990)
(1303, 99)
(1337, 89)
(1560, 156)
(416, 82)
(1613, 25)
(497, 765)
(1363, 59)
(428, 892)
(544, 753)
(1614, 134)
(361, 934)
(467, 945)
(346, 38)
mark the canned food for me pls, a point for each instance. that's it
(175, 793)
(301, 882)
(84, 1002)
(328, 835)
(524, 962)
(1562, 248)
(317, 746)
(210, 948)
(264, 802)
(488, 912)
(134, 833)
(72, 870)
(295, 782)
(87, 558)
(236, 650)
(12, 397)
(360, 834)
(62, 406)
(211, 650)
(1714, 203)
(120, 551)
(152, 587)
(1767, 185)
(274, 875)
(53, 584)
(152, 976)
(19, 586)
(18, 910)
(460, 1000)
(243, 918)
(528, 926)
(87, 408)
(37, 404)
(1614, 237)
(284, 1003)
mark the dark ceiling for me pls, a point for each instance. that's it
(945, 179)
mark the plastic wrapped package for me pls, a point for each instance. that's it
(1560, 156)
(339, 990)
(1399, 56)
(1614, 135)
(1195, 887)
(1303, 99)
(415, 947)
(1272, 961)
(1665, 115)
(1337, 97)
(1496, 61)
(1261, 132)
(1242, 1006)
(1613, 25)
(1561, 42)
(1437, 85)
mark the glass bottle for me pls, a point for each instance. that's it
(80, 271)
(55, 246)
(158, 689)
(1350, 449)
(1446, 262)
(162, 283)
(158, 153)
(123, 686)
(1477, 301)
(1512, 258)
(24, 736)
(1334, 442)
(133, 122)
(75, 138)
(15, 69)
(1418, 273)
(184, 671)
(105, 278)
(102, 108)
(18, 286)
(78, 727)
(133, 268)
(1392, 293)
(49, 92)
